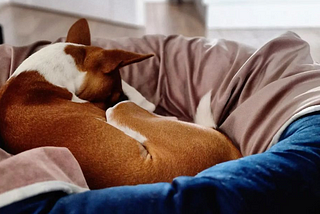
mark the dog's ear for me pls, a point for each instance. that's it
(105, 61)
(119, 58)
(79, 33)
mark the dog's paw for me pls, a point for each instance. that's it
(147, 105)
(136, 97)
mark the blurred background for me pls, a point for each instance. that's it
(252, 22)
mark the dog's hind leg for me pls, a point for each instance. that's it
(173, 147)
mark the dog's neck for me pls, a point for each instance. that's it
(52, 62)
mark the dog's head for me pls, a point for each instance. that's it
(102, 81)
(90, 73)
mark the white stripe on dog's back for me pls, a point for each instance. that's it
(125, 129)
(56, 67)
(136, 97)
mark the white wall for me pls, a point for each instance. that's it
(130, 12)
(260, 13)
(3, 1)
(156, 1)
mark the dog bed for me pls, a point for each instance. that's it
(265, 100)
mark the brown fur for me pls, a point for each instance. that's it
(35, 113)
(103, 81)
(80, 34)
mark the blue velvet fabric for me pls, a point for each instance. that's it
(284, 179)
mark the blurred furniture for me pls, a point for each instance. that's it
(130, 12)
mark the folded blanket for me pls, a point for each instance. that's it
(37, 171)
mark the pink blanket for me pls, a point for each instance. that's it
(38, 171)
(255, 95)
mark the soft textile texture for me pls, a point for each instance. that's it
(38, 165)
(11, 57)
(254, 93)
(38, 170)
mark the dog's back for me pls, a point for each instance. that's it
(40, 114)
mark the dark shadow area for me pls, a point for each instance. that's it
(1, 35)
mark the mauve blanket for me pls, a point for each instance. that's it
(38, 171)
(255, 93)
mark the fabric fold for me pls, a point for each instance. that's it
(37, 171)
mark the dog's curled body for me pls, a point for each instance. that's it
(44, 105)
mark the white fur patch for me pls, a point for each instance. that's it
(126, 130)
(56, 67)
(76, 99)
(204, 115)
(136, 97)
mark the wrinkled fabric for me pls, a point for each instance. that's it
(284, 179)
(37, 171)
(254, 92)
(39, 165)
(11, 57)
(42, 202)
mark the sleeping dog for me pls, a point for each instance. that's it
(59, 97)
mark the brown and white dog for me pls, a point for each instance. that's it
(58, 97)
